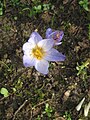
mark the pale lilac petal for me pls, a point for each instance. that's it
(28, 61)
(36, 34)
(27, 52)
(48, 32)
(42, 66)
(58, 43)
(46, 44)
(54, 55)
(34, 38)
(28, 46)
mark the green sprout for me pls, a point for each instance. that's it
(15, 2)
(4, 92)
(82, 68)
(48, 110)
(67, 116)
(38, 118)
(18, 85)
(82, 71)
(37, 9)
(84, 4)
(2, 6)
(89, 31)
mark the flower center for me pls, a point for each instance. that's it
(58, 35)
(38, 52)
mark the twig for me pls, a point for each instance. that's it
(19, 109)
(2, 99)
(31, 112)
(40, 104)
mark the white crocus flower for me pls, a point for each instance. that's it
(80, 104)
(38, 51)
(86, 109)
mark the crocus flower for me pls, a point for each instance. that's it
(55, 35)
(38, 51)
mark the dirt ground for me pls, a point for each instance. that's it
(62, 89)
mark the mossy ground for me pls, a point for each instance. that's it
(30, 91)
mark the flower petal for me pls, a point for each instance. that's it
(34, 38)
(48, 32)
(42, 66)
(27, 46)
(54, 55)
(58, 43)
(46, 44)
(57, 35)
(28, 61)
(61, 33)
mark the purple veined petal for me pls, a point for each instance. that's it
(57, 35)
(48, 32)
(54, 55)
(42, 66)
(61, 33)
(34, 38)
(28, 46)
(46, 44)
(28, 61)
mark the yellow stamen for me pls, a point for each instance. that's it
(38, 52)
(57, 35)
